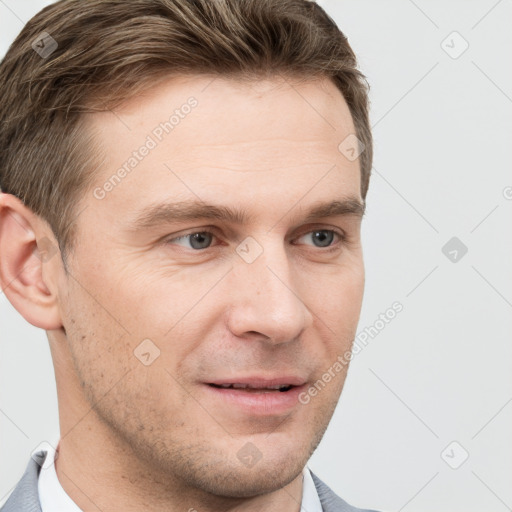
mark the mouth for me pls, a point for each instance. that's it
(256, 396)
(269, 389)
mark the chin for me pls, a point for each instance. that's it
(220, 469)
(242, 482)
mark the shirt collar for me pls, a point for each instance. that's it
(310, 499)
(52, 496)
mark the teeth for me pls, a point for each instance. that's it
(281, 387)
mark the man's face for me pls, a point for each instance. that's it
(269, 296)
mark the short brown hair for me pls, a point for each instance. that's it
(106, 51)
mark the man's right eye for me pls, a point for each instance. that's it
(196, 241)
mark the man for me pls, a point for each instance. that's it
(183, 184)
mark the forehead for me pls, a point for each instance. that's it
(216, 138)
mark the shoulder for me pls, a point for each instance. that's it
(25, 497)
(330, 501)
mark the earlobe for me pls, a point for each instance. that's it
(28, 261)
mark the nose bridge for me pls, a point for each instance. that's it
(266, 300)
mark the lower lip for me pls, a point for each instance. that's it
(258, 403)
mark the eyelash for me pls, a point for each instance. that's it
(342, 239)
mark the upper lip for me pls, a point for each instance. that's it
(262, 382)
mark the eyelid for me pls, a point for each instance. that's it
(209, 230)
(319, 227)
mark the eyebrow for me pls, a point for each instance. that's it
(167, 213)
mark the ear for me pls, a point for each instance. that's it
(29, 263)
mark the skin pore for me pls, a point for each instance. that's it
(155, 436)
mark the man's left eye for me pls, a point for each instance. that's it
(321, 237)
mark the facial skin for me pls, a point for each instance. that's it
(157, 437)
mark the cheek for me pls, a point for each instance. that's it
(337, 309)
(158, 300)
(115, 381)
(101, 347)
(338, 295)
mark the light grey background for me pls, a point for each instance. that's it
(441, 370)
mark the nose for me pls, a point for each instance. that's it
(265, 299)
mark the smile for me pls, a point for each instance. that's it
(256, 396)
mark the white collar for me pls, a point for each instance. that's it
(310, 499)
(53, 497)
